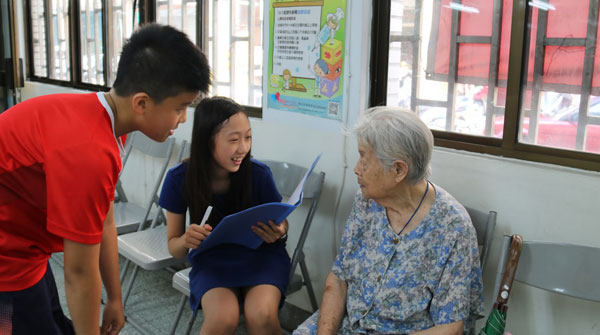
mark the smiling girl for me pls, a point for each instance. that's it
(221, 174)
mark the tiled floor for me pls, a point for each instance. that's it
(153, 304)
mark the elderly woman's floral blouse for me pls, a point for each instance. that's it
(401, 284)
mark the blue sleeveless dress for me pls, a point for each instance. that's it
(231, 265)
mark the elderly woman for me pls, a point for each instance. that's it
(408, 262)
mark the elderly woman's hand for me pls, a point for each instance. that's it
(271, 232)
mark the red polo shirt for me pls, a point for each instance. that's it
(59, 163)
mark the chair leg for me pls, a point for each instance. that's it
(309, 288)
(124, 270)
(190, 324)
(130, 284)
(178, 314)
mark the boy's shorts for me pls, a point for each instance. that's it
(35, 310)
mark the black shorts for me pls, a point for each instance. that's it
(35, 310)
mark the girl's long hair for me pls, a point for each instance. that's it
(209, 117)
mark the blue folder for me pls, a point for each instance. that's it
(235, 228)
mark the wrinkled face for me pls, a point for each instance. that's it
(374, 181)
(232, 143)
(163, 118)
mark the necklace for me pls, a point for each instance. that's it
(417, 209)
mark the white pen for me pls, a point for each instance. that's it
(206, 215)
(204, 219)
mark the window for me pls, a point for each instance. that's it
(448, 60)
(50, 36)
(123, 21)
(235, 49)
(92, 41)
(233, 42)
(38, 38)
(560, 108)
(180, 14)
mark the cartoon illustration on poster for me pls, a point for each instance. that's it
(306, 56)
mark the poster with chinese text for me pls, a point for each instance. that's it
(306, 56)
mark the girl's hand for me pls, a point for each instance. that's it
(270, 232)
(195, 234)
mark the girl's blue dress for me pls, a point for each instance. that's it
(231, 265)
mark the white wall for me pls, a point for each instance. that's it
(538, 201)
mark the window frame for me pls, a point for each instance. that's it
(507, 146)
(147, 14)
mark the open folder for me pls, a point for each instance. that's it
(235, 228)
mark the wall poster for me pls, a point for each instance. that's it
(306, 56)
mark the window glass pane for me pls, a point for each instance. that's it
(38, 37)
(447, 61)
(234, 45)
(58, 40)
(561, 107)
(124, 20)
(190, 12)
(92, 53)
(180, 14)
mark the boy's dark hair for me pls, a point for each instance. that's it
(209, 117)
(162, 62)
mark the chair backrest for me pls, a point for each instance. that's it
(160, 217)
(484, 224)
(140, 142)
(151, 148)
(185, 150)
(287, 176)
(569, 269)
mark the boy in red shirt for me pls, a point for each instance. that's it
(60, 157)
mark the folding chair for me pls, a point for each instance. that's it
(286, 176)
(130, 217)
(568, 269)
(119, 191)
(148, 248)
(484, 224)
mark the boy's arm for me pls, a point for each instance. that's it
(113, 318)
(82, 285)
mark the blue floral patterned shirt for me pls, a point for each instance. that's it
(399, 284)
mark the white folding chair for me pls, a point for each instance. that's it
(485, 224)
(286, 177)
(568, 269)
(119, 191)
(129, 216)
(148, 248)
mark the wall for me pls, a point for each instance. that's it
(538, 201)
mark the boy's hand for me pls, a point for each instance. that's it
(113, 318)
(195, 234)
(270, 233)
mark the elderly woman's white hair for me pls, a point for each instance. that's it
(397, 134)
